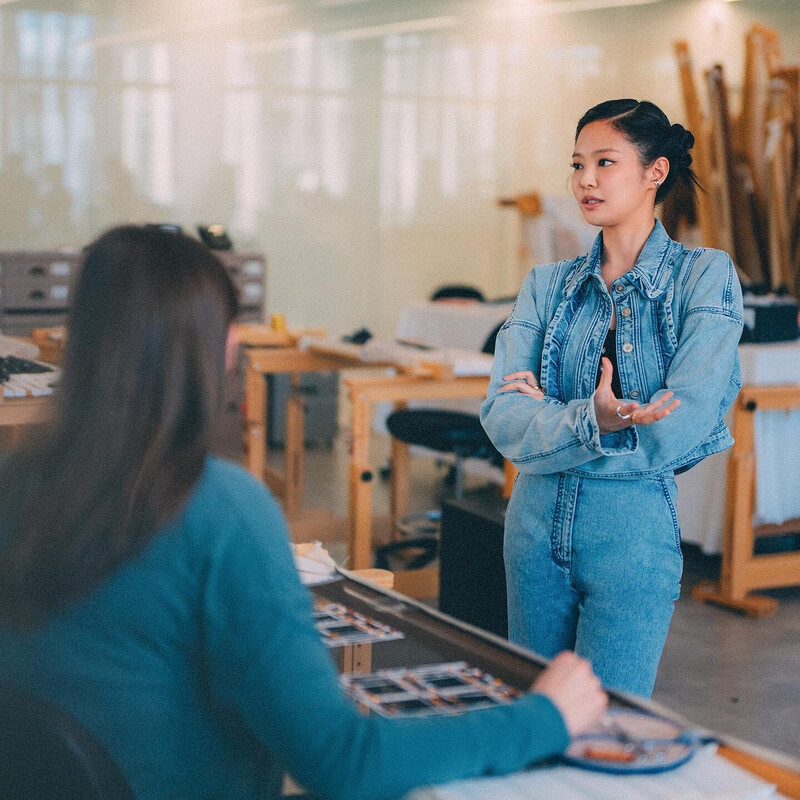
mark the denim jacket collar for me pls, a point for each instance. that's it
(650, 275)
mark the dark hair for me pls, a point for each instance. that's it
(143, 381)
(647, 128)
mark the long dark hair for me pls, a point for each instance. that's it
(143, 380)
(648, 129)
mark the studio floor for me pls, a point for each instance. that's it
(719, 669)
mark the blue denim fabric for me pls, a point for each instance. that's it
(679, 319)
(594, 566)
(592, 541)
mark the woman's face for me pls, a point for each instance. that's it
(608, 180)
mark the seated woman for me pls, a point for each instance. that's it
(148, 588)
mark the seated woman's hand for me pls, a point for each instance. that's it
(614, 414)
(524, 382)
(574, 690)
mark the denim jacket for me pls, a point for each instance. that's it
(679, 319)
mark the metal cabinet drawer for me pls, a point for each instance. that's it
(22, 323)
(39, 266)
(33, 295)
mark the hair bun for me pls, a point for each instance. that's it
(684, 137)
(677, 144)
(678, 139)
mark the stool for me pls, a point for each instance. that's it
(445, 431)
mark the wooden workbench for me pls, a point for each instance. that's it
(422, 384)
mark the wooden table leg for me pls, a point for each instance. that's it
(400, 480)
(357, 658)
(295, 447)
(256, 421)
(738, 561)
(360, 494)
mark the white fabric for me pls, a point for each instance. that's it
(707, 776)
(443, 324)
(701, 491)
(314, 564)
(560, 232)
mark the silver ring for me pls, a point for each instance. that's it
(622, 416)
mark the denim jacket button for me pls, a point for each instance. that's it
(627, 347)
(634, 393)
(619, 287)
(626, 312)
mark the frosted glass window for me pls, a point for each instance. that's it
(132, 128)
(80, 55)
(488, 78)
(53, 127)
(53, 34)
(334, 137)
(458, 71)
(301, 60)
(162, 170)
(335, 68)
(28, 30)
(238, 65)
(80, 140)
(130, 64)
(159, 63)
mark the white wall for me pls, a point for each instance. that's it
(361, 145)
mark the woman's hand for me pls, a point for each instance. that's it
(574, 690)
(614, 414)
(524, 382)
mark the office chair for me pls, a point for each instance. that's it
(46, 754)
(445, 431)
(458, 291)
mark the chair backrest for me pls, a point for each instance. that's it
(491, 339)
(46, 754)
(458, 291)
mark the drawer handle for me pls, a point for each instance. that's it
(37, 270)
(36, 294)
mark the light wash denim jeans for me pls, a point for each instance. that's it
(594, 565)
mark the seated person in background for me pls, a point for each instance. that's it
(457, 293)
(148, 588)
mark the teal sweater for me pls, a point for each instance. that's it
(198, 666)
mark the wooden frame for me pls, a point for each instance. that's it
(742, 570)
(400, 389)
(263, 361)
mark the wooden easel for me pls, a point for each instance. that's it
(742, 570)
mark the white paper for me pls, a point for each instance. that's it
(707, 776)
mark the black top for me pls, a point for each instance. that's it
(610, 352)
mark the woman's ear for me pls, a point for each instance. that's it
(658, 171)
(232, 347)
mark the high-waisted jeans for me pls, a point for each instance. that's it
(594, 566)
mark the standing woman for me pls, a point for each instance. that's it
(148, 588)
(612, 374)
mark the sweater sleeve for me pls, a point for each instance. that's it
(266, 662)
